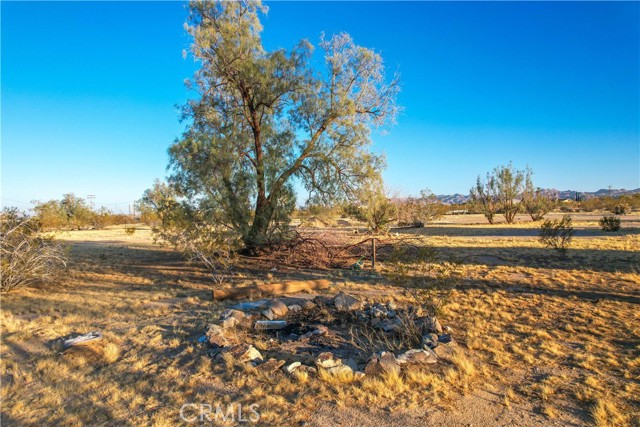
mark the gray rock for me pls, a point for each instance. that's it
(345, 302)
(340, 370)
(270, 324)
(429, 325)
(417, 357)
(430, 341)
(308, 305)
(278, 308)
(229, 322)
(269, 314)
(385, 363)
(318, 331)
(290, 368)
(327, 360)
(236, 314)
(446, 351)
(294, 308)
(216, 336)
(244, 353)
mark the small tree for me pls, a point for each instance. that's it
(536, 201)
(26, 257)
(557, 234)
(610, 223)
(373, 207)
(501, 192)
(484, 196)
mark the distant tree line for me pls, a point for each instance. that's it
(75, 213)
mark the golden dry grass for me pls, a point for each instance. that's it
(555, 332)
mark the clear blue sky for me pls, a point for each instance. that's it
(89, 91)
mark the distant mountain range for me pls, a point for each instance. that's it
(451, 199)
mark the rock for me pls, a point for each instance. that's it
(244, 352)
(447, 329)
(278, 308)
(391, 325)
(319, 330)
(294, 308)
(375, 322)
(323, 300)
(270, 324)
(340, 370)
(236, 314)
(344, 302)
(359, 375)
(308, 305)
(430, 341)
(271, 365)
(429, 325)
(385, 363)
(445, 338)
(269, 314)
(290, 368)
(446, 351)
(327, 360)
(417, 357)
(215, 335)
(392, 305)
(377, 312)
(229, 322)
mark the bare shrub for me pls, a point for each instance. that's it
(610, 223)
(26, 257)
(557, 234)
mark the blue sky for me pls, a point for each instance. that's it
(89, 91)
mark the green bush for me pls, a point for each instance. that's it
(610, 223)
(557, 234)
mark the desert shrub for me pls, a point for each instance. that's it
(26, 257)
(418, 211)
(610, 223)
(130, 230)
(557, 234)
(621, 209)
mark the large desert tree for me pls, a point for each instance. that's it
(264, 118)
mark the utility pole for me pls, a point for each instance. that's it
(91, 197)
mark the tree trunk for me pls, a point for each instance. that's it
(257, 234)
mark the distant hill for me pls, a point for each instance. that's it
(451, 199)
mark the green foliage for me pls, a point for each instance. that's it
(557, 234)
(26, 257)
(418, 211)
(501, 192)
(264, 118)
(610, 223)
(191, 230)
(536, 202)
(375, 208)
